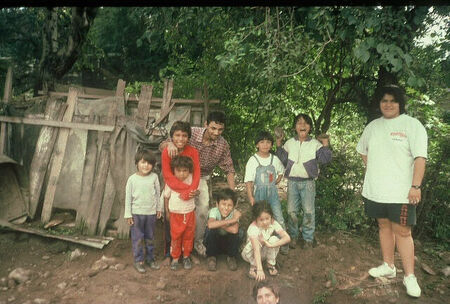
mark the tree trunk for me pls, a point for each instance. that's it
(61, 46)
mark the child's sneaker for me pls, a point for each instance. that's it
(187, 264)
(174, 265)
(212, 262)
(231, 262)
(412, 287)
(383, 271)
(153, 264)
(139, 266)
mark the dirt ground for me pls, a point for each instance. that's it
(335, 271)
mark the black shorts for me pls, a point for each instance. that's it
(403, 214)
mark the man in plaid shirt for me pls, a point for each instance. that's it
(214, 151)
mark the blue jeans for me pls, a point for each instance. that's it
(303, 192)
(142, 235)
(270, 194)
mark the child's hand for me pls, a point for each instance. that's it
(252, 201)
(194, 193)
(260, 275)
(158, 214)
(130, 221)
(324, 139)
(172, 150)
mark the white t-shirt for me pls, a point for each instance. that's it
(391, 145)
(252, 164)
(254, 231)
(176, 204)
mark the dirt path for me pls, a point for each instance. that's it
(333, 272)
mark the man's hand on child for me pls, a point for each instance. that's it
(194, 193)
(237, 215)
(324, 139)
(172, 150)
(130, 221)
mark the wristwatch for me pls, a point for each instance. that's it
(415, 186)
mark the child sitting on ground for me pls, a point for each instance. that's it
(261, 243)
(142, 207)
(181, 213)
(262, 174)
(222, 233)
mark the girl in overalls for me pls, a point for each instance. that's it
(262, 174)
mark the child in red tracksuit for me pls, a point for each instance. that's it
(181, 213)
(181, 187)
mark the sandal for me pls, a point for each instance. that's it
(272, 270)
(252, 272)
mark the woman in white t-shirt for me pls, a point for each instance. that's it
(264, 238)
(394, 150)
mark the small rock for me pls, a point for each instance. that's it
(119, 267)
(20, 275)
(3, 289)
(27, 302)
(46, 274)
(352, 268)
(44, 284)
(161, 284)
(75, 254)
(45, 257)
(3, 282)
(428, 269)
(296, 269)
(62, 285)
(108, 261)
(392, 300)
(11, 298)
(328, 284)
(382, 280)
(11, 283)
(40, 301)
(445, 256)
(93, 273)
(99, 265)
(446, 271)
(331, 239)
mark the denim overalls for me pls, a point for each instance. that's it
(266, 189)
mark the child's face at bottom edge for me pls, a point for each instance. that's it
(181, 173)
(144, 167)
(264, 220)
(225, 207)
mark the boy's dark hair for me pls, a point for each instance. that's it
(146, 155)
(397, 92)
(225, 194)
(263, 135)
(307, 119)
(217, 117)
(268, 285)
(259, 207)
(182, 161)
(180, 126)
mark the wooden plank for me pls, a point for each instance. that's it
(56, 123)
(156, 101)
(60, 149)
(101, 175)
(107, 204)
(88, 174)
(8, 85)
(145, 100)
(120, 89)
(206, 103)
(167, 104)
(91, 242)
(3, 136)
(42, 153)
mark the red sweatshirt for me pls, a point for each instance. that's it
(174, 183)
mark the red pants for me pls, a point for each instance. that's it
(182, 230)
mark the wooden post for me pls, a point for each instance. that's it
(43, 151)
(205, 102)
(3, 126)
(58, 158)
(143, 110)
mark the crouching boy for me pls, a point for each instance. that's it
(222, 232)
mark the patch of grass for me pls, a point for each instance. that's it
(356, 291)
(321, 297)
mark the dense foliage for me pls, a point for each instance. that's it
(267, 64)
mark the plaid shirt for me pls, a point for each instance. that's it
(218, 153)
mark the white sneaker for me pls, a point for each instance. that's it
(383, 271)
(412, 288)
